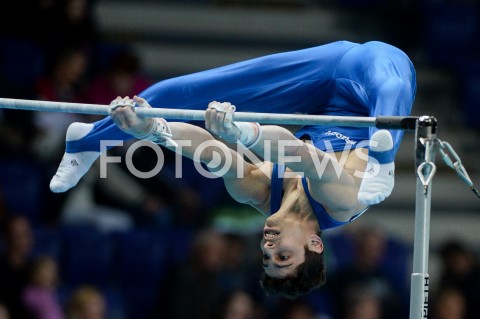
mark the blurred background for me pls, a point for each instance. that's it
(124, 247)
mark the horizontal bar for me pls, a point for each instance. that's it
(49, 106)
(397, 122)
(392, 122)
(264, 118)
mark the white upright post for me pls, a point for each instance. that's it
(425, 168)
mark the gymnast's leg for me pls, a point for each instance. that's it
(378, 181)
(393, 91)
(261, 85)
(81, 153)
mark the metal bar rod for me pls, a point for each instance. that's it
(425, 154)
(392, 122)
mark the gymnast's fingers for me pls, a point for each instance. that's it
(213, 119)
(121, 117)
(208, 121)
(218, 122)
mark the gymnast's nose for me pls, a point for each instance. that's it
(269, 244)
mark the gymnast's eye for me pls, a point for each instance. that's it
(266, 257)
(283, 257)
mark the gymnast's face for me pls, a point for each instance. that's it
(283, 245)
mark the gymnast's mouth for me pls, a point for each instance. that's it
(269, 233)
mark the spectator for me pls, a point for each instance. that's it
(240, 270)
(105, 204)
(40, 296)
(237, 305)
(64, 76)
(4, 312)
(362, 303)
(121, 78)
(297, 309)
(449, 304)
(15, 265)
(192, 289)
(71, 22)
(3, 208)
(18, 131)
(366, 272)
(461, 271)
(86, 302)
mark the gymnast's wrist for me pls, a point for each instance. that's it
(148, 132)
(160, 133)
(250, 133)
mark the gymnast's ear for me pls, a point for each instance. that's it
(315, 244)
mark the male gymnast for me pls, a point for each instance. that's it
(340, 78)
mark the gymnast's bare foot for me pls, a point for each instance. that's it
(73, 165)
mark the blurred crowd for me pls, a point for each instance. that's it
(124, 247)
(82, 272)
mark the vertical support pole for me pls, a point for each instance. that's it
(425, 168)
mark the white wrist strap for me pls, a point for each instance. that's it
(159, 133)
(250, 133)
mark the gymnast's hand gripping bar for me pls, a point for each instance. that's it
(387, 122)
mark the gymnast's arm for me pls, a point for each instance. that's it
(251, 187)
(331, 177)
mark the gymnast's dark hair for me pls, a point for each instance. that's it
(309, 275)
